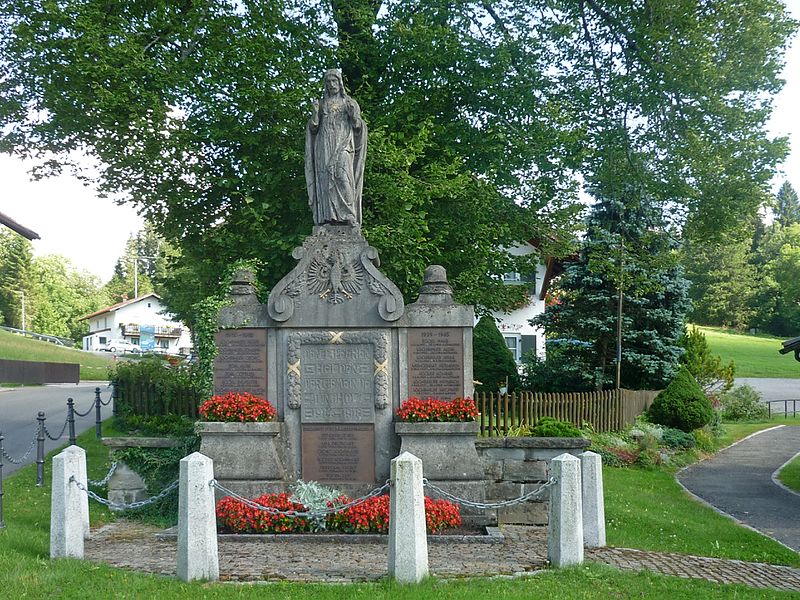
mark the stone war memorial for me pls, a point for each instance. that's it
(335, 348)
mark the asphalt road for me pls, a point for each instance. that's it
(774, 389)
(738, 481)
(19, 408)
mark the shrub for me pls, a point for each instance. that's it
(682, 405)
(166, 389)
(743, 403)
(241, 407)
(705, 439)
(677, 439)
(492, 360)
(712, 376)
(415, 410)
(550, 427)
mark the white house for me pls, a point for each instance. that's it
(142, 321)
(519, 334)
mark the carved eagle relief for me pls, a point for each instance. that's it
(333, 278)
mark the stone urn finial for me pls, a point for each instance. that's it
(435, 289)
(243, 283)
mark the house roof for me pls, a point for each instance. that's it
(14, 226)
(792, 345)
(115, 307)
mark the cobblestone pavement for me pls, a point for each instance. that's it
(524, 550)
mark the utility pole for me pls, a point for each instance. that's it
(619, 311)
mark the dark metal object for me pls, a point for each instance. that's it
(98, 419)
(71, 420)
(40, 450)
(27, 371)
(20, 229)
(785, 407)
(2, 522)
(792, 345)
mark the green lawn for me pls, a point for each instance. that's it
(17, 347)
(790, 474)
(645, 509)
(754, 355)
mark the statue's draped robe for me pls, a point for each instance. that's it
(335, 153)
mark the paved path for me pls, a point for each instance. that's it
(523, 551)
(738, 481)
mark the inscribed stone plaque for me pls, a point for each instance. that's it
(342, 452)
(337, 383)
(436, 363)
(241, 364)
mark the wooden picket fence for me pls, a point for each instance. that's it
(143, 399)
(606, 410)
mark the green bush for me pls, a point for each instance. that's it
(705, 439)
(492, 360)
(677, 439)
(707, 368)
(152, 386)
(743, 403)
(682, 405)
(550, 427)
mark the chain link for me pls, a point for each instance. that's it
(107, 402)
(489, 505)
(295, 513)
(80, 414)
(122, 506)
(60, 435)
(105, 479)
(19, 461)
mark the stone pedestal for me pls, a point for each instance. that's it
(243, 450)
(447, 450)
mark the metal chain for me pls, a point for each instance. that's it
(489, 505)
(107, 402)
(105, 479)
(122, 506)
(80, 414)
(60, 435)
(295, 513)
(19, 461)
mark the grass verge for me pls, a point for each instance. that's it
(17, 347)
(754, 355)
(789, 475)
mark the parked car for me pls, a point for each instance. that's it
(121, 346)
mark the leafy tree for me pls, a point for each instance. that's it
(778, 280)
(626, 247)
(723, 289)
(61, 296)
(787, 206)
(707, 368)
(484, 117)
(15, 266)
(493, 363)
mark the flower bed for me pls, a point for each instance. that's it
(371, 516)
(416, 410)
(241, 407)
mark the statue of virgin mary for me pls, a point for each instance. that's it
(336, 147)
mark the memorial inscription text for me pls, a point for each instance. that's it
(342, 452)
(337, 383)
(436, 363)
(241, 364)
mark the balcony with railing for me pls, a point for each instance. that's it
(163, 331)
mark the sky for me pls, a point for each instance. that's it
(91, 231)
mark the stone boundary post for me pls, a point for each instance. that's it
(565, 529)
(408, 541)
(68, 504)
(198, 556)
(594, 511)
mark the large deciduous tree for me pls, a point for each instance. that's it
(483, 117)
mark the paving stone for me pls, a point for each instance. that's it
(524, 550)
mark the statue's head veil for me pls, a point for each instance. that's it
(338, 74)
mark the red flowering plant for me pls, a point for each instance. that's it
(416, 410)
(241, 407)
(371, 516)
